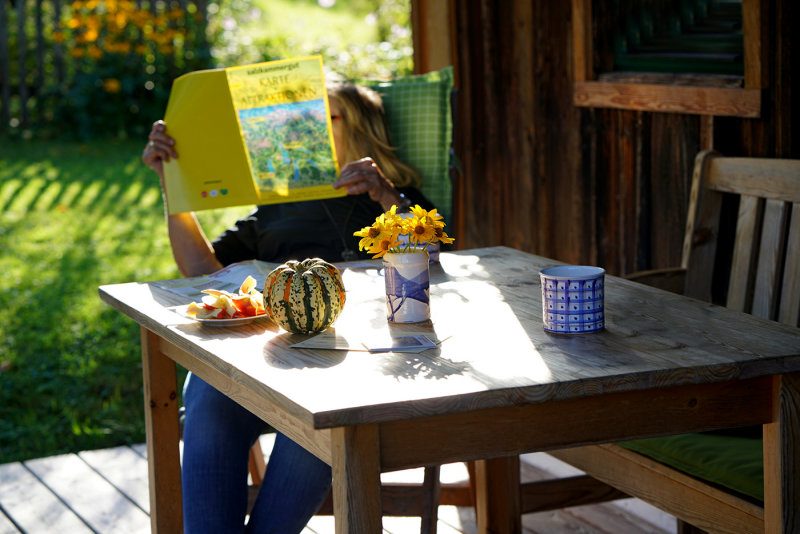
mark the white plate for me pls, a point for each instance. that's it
(237, 321)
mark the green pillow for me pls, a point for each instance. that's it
(733, 461)
(420, 122)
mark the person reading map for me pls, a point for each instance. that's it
(218, 433)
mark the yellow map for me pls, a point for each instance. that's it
(256, 134)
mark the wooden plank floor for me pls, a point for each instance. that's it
(105, 491)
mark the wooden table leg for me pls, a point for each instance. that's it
(497, 497)
(782, 460)
(163, 436)
(356, 479)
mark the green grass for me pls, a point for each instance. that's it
(73, 217)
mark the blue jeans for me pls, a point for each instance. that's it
(217, 436)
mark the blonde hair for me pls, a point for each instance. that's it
(367, 133)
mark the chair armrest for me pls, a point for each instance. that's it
(670, 279)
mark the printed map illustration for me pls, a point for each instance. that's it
(288, 145)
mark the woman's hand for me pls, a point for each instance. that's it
(364, 176)
(159, 149)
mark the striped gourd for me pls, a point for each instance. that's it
(304, 296)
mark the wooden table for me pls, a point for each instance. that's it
(497, 387)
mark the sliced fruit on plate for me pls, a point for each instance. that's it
(221, 304)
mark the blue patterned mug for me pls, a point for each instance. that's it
(572, 299)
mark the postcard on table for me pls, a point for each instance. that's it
(255, 134)
(333, 340)
(410, 343)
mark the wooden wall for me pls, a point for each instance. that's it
(606, 187)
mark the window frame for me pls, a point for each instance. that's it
(745, 101)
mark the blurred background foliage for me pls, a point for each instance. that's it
(103, 68)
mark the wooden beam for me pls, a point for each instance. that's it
(432, 33)
(781, 467)
(669, 98)
(676, 493)
(497, 484)
(356, 480)
(161, 418)
(754, 75)
(558, 493)
(582, 40)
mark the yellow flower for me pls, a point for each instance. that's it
(112, 85)
(368, 235)
(421, 230)
(90, 35)
(120, 19)
(424, 214)
(379, 237)
(381, 248)
(442, 236)
(94, 51)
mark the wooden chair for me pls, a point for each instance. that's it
(763, 279)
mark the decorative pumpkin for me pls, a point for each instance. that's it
(304, 296)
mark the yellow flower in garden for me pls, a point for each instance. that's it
(90, 35)
(94, 51)
(120, 19)
(112, 85)
(58, 36)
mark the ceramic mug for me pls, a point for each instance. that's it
(572, 299)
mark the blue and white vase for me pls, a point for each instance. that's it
(407, 287)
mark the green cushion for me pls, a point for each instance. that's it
(418, 110)
(735, 462)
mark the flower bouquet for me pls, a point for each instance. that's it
(402, 240)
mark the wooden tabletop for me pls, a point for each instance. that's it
(486, 310)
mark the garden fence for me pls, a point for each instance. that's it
(89, 68)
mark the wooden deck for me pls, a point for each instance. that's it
(105, 491)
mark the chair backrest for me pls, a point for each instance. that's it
(421, 125)
(765, 264)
